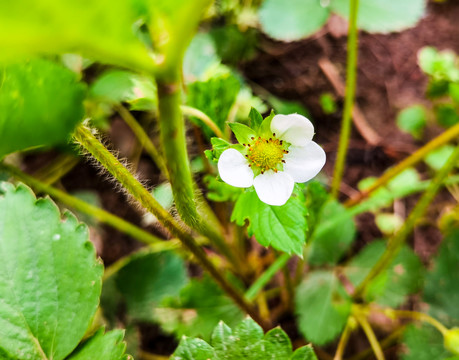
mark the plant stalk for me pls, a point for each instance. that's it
(374, 343)
(396, 241)
(351, 79)
(89, 142)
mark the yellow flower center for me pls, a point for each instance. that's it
(266, 154)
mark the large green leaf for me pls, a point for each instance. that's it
(322, 306)
(441, 289)
(100, 29)
(245, 341)
(390, 288)
(333, 235)
(50, 280)
(423, 343)
(293, 19)
(40, 104)
(102, 346)
(283, 227)
(147, 279)
(383, 16)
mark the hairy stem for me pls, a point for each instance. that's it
(351, 77)
(89, 142)
(442, 139)
(395, 242)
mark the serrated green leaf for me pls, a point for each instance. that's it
(40, 104)
(423, 343)
(322, 306)
(412, 120)
(50, 280)
(100, 346)
(304, 353)
(214, 97)
(441, 289)
(382, 16)
(193, 349)
(219, 191)
(283, 227)
(116, 86)
(243, 133)
(147, 279)
(199, 308)
(222, 339)
(277, 344)
(255, 118)
(391, 287)
(292, 20)
(334, 234)
(246, 335)
(89, 27)
(235, 44)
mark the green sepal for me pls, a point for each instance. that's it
(255, 118)
(243, 133)
(265, 128)
(218, 146)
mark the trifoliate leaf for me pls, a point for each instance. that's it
(163, 274)
(334, 234)
(382, 16)
(391, 287)
(322, 306)
(441, 289)
(40, 104)
(292, 20)
(100, 346)
(245, 341)
(423, 343)
(283, 227)
(50, 280)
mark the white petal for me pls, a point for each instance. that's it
(274, 188)
(234, 169)
(293, 128)
(302, 163)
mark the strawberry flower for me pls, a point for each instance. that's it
(280, 153)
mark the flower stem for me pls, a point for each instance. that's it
(94, 211)
(174, 144)
(191, 111)
(351, 79)
(89, 142)
(344, 339)
(261, 282)
(411, 160)
(418, 316)
(374, 343)
(395, 242)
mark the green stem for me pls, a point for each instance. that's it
(344, 339)
(374, 343)
(174, 143)
(395, 242)
(144, 139)
(101, 215)
(261, 282)
(444, 138)
(89, 142)
(190, 111)
(418, 316)
(351, 77)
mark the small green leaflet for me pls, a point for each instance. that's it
(245, 341)
(283, 227)
(322, 306)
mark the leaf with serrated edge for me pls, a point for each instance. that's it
(304, 353)
(40, 104)
(283, 227)
(100, 346)
(193, 349)
(50, 280)
(322, 306)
